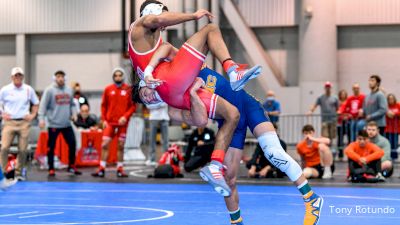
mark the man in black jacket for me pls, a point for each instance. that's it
(199, 150)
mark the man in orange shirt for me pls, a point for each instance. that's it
(116, 109)
(315, 154)
(364, 158)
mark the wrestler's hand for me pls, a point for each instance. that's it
(197, 84)
(201, 13)
(151, 82)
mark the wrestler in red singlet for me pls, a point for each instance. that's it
(177, 75)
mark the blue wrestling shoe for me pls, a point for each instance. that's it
(242, 76)
(212, 173)
(313, 209)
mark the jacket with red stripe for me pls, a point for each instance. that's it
(117, 102)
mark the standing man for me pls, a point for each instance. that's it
(375, 105)
(116, 109)
(58, 107)
(15, 100)
(272, 107)
(354, 105)
(329, 106)
(158, 116)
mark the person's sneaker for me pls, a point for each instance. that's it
(73, 170)
(6, 183)
(213, 174)
(121, 173)
(313, 206)
(52, 173)
(101, 172)
(327, 173)
(380, 177)
(239, 76)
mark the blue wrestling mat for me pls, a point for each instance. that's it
(188, 204)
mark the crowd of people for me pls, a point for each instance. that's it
(59, 108)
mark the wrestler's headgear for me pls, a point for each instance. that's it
(136, 96)
(152, 7)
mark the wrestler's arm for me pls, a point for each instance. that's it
(165, 52)
(172, 18)
(197, 115)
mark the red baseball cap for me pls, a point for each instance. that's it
(328, 84)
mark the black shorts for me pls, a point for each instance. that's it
(320, 170)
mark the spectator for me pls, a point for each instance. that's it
(158, 116)
(259, 166)
(329, 106)
(392, 129)
(315, 154)
(16, 99)
(353, 106)
(374, 106)
(116, 109)
(57, 106)
(364, 158)
(343, 126)
(272, 107)
(85, 119)
(81, 98)
(382, 143)
(199, 150)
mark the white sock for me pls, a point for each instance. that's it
(103, 164)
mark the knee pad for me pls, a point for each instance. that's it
(274, 152)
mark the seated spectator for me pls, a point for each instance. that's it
(199, 150)
(260, 167)
(383, 143)
(316, 156)
(80, 98)
(86, 120)
(364, 158)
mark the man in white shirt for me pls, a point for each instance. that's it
(19, 105)
(158, 116)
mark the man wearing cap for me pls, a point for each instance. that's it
(329, 105)
(116, 109)
(58, 107)
(16, 111)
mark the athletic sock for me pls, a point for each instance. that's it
(218, 155)
(305, 190)
(103, 164)
(235, 216)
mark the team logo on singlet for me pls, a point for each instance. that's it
(211, 83)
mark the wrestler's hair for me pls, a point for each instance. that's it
(150, 2)
(134, 80)
(135, 93)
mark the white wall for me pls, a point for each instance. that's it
(86, 58)
(367, 50)
(7, 58)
